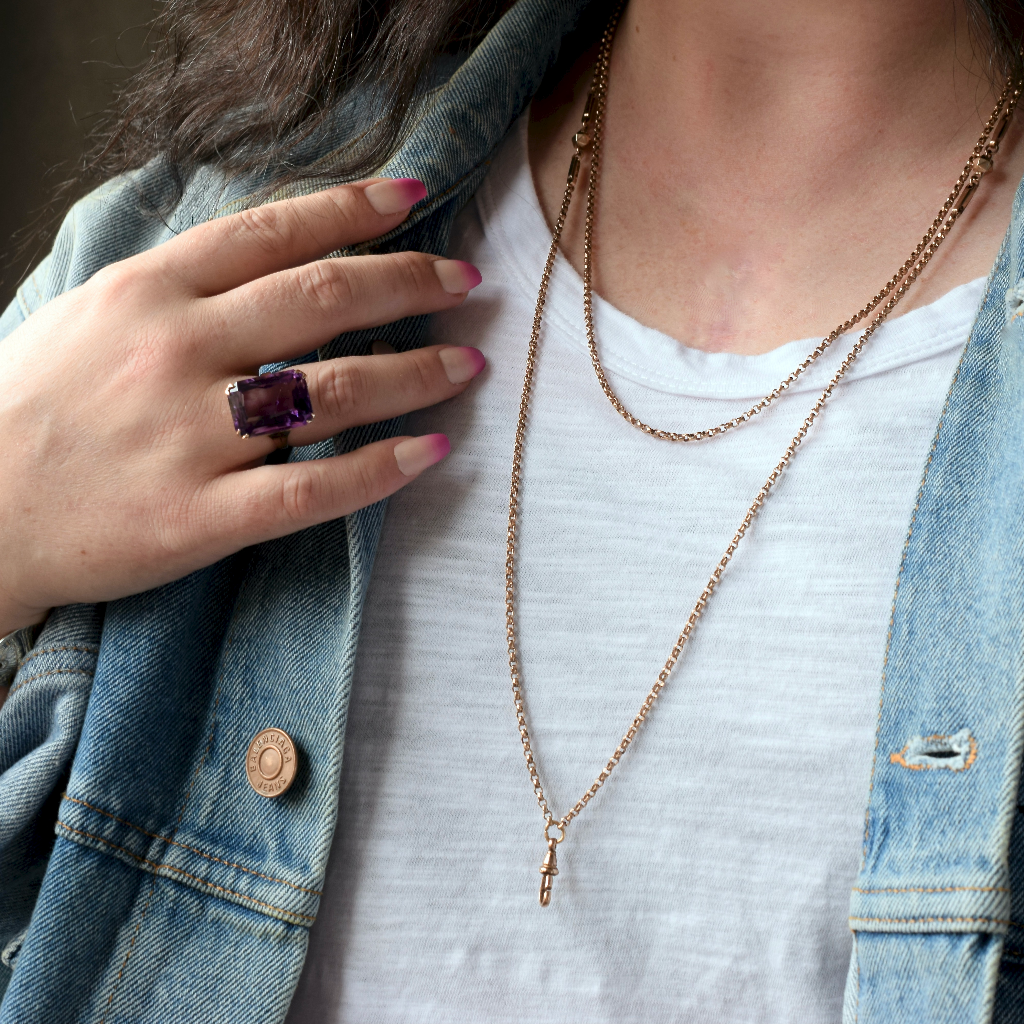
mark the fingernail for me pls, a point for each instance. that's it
(413, 456)
(379, 347)
(457, 276)
(394, 194)
(461, 363)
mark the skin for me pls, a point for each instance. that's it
(767, 167)
(123, 470)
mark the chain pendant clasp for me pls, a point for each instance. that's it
(549, 868)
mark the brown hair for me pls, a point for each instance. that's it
(248, 84)
(242, 83)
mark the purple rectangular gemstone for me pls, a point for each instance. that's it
(270, 403)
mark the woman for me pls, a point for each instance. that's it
(764, 170)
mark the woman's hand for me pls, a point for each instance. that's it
(122, 469)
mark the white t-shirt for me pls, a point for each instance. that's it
(709, 880)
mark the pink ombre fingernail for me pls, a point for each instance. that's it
(394, 195)
(461, 363)
(457, 276)
(416, 454)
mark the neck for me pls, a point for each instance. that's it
(768, 166)
(793, 78)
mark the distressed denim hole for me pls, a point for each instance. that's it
(1015, 299)
(955, 753)
(10, 952)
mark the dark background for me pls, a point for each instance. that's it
(59, 65)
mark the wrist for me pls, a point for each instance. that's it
(17, 617)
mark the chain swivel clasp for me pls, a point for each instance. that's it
(584, 136)
(549, 868)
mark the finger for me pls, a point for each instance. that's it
(292, 312)
(347, 392)
(271, 501)
(227, 252)
(357, 390)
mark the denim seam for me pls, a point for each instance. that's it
(191, 849)
(422, 212)
(54, 650)
(856, 1005)
(135, 934)
(933, 920)
(429, 207)
(892, 623)
(52, 672)
(951, 888)
(902, 569)
(25, 308)
(174, 832)
(170, 867)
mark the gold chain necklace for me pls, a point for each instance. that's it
(590, 136)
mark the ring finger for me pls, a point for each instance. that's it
(342, 393)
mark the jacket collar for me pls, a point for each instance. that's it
(461, 121)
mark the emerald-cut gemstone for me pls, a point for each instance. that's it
(270, 403)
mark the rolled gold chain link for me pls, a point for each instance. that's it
(979, 162)
(590, 137)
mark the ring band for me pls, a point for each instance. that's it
(271, 403)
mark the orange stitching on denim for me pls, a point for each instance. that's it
(903, 565)
(888, 636)
(174, 831)
(85, 649)
(191, 849)
(170, 867)
(932, 920)
(131, 945)
(951, 888)
(52, 672)
(856, 953)
(900, 757)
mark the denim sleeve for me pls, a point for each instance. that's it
(40, 723)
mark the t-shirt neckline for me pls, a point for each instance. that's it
(514, 224)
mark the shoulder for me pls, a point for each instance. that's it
(470, 102)
(121, 218)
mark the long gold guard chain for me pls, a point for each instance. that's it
(590, 136)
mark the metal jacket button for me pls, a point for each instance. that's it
(271, 762)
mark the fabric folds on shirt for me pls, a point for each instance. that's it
(709, 879)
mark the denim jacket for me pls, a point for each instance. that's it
(143, 880)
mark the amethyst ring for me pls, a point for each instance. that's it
(271, 403)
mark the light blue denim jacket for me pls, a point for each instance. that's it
(174, 892)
